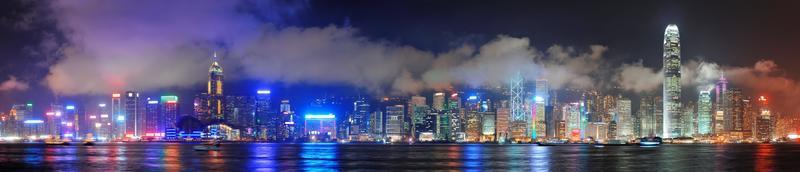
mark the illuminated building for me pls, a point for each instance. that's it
(213, 105)
(287, 130)
(438, 101)
(650, 116)
(572, 113)
(240, 111)
(719, 120)
(104, 124)
(704, 113)
(597, 130)
(265, 120)
(473, 119)
(502, 121)
(541, 95)
(69, 123)
(394, 122)
(376, 123)
(117, 117)
(750, 114)
(222, 132)
(134, 123)
(320, 127)
(734, 110)
(154, 128)
(53, 118)
(359, 124)
(764, 127)
(624, 119)
(519, 113)
(169, 111)
(672, 83)
(688, 120)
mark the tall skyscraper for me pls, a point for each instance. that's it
(438, 101)
(734, 110)
(117, 117)
(394, 122)
(672, 82)
(501, 122)
(519, 119)
(764, 122)
(215, 96)
(704, 113)
(169, 111)
(624, 119)
(134, 120)
(265, 119)
(359, 123)
(154, 127)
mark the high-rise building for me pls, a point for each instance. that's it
(169, 112)
(438, 101)
(502, 121)
(214, 103)
(104, 125)
(473, 118)
(288, 128)
(688, 120)
(624, 119)
(240, 111)
(672, 83)
(719, 119)
(265, 119)
(764, 123)
(394, 122)
(572, 113)
(359, 124)
(134, 120)
(734, 110)
(154, 126)
(117, 117)
(704, 113)
(519, 130)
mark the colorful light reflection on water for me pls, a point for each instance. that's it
(333, 157)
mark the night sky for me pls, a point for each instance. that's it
(79, 51)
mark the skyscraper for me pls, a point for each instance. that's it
(624, 119)
(519, 119)
(672, 82)
(214, 101)
(154, 128)
(394, 122)
(117, 117)
(134, 123)
(265, 119)
(438, 101)
(169, 111)
(704, 113)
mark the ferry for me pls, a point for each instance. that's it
(55, 141)
(650, 141)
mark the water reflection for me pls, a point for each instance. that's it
(262, 157)
(540, 158)
(319, 156)
(764, 157)
(473, 157)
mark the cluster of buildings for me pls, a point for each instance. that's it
(522, 111)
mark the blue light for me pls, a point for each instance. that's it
(120, 118)
(152, 102)
(33, 121)
(70, 107)
(538, 99)
(473, 97)
(264, 92)
(327, 116)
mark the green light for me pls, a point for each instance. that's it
(30, 104)
(169, 98)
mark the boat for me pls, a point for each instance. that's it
(55, 141)
(650, 141)
(211, 146)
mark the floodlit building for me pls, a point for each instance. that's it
(320, 127)
(624, 119)
(704, 113)
(672, 83)
(394, 123)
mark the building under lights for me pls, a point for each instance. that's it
(672, 83)
(704, 113)
(320, 127)
(169, 112)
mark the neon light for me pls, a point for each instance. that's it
(130, 94)
(92, 117)
(538, 99)
(473, 97)
(58, 113)
(169, 98)
(103, 115)
(438, 94)
(264, 92)
(172, 101)
(70, 107)
(49, 113)
(152, 102)
(30, 104)
(288, 123)
(101, 105)
(33, 121)
(115, 95)
(328, 116)
(120, 118)
(454, 95)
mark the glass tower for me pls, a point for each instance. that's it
(672, 83)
